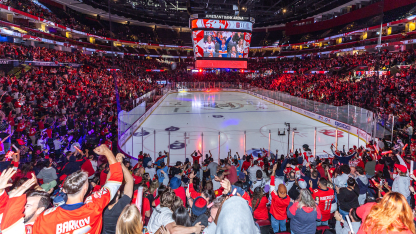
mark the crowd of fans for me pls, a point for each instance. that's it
(58, 127)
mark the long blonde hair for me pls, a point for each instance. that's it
(130, 221)
(391, 214)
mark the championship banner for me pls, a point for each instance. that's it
(221, 24)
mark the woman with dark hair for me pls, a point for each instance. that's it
(181, 217)
(160, 191)
(345, 228)
(348, 197)
(266, 169)
(259, 202)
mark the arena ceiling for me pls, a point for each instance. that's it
(176, 12)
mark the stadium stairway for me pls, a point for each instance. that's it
(16, 71)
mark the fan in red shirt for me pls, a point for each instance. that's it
(77, 215)
(280, 202)
(259, 201)
(195, 156)
(324, 196)
(246, 164)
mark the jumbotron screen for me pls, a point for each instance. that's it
(221, 43)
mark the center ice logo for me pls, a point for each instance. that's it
(223, 106)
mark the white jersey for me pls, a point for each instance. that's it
(209, 47)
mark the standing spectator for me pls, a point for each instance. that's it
(259, 203)
(57, 219)
(162, 216)
(348, 197)
(252, 171)
(324, 197)
(345, 228)
(303, 214)
(151, 170)
(121, 200)
(279, 203)
(212, 167)
(175, 185)
(402, 182)
(231, 173)
(129, 221)
(362, 182)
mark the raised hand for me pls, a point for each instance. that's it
(192, 175)
(5, 177)
(225, 183)
(119, 157)
(23, 188)
(102, 150)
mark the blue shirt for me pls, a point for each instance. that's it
(160, 175)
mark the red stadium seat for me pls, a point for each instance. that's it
(322, 228)
(263, 223)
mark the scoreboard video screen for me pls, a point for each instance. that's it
(221, 43)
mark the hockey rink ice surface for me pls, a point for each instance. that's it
(216, 121)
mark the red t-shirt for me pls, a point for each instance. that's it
(180, 192)
(261, 212)
(232, 177)
(41, 125)
(20, 127)
(279, 205)
(32, 132)
(245, 165)
(137, 179)
(145, 207)
(379, 167)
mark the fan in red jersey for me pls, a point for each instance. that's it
(324, 196)
(77, 215)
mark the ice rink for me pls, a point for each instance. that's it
(220, 121)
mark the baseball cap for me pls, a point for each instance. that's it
(302, 183)
(200, 206)
(175, 182)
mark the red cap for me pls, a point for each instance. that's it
(400, 167)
